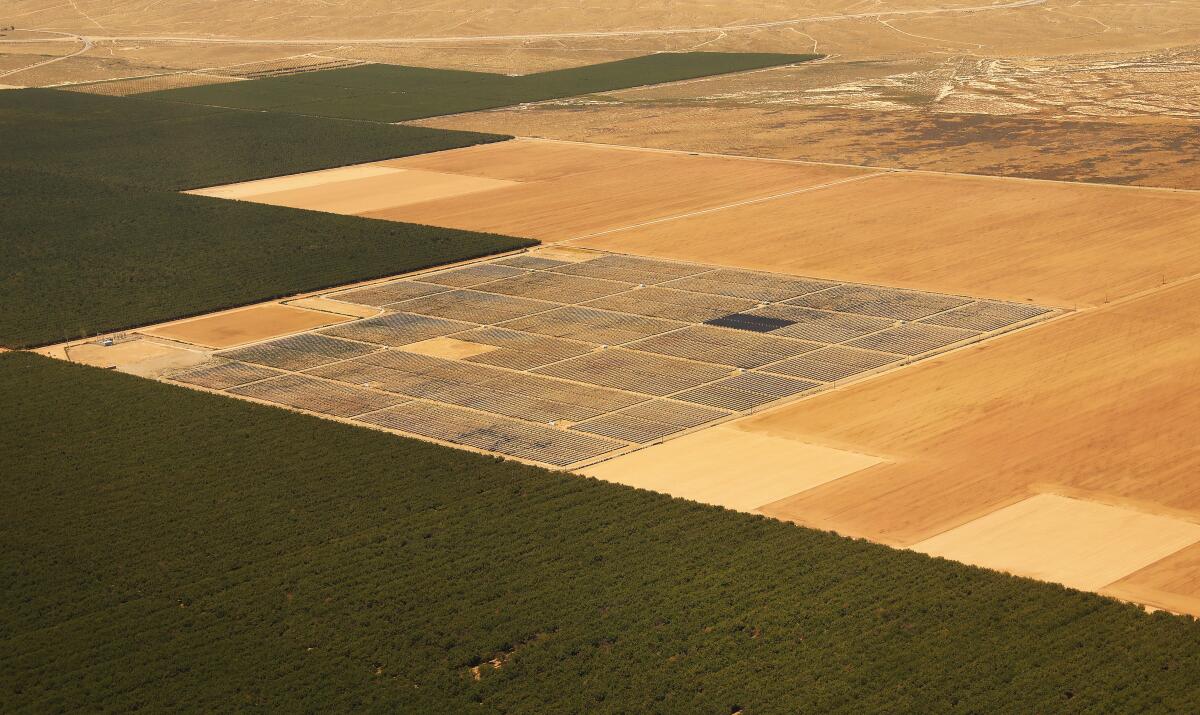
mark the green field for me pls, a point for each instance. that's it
(169, 147)
(394, 93)
(168, 549)
(95, 257)
(96, 237)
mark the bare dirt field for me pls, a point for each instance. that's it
(335, 306)
(146, 358)
(1098, 405)
(731, 467)
(1136, 151)
(1172, 583)
(1082, 544)
(357, 190)
(544, 190)
(1064, 244)
(244, 325)
(1069, 245)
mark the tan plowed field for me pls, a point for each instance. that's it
(545, 190)
(592, 200)
(1062, 244)
(1083, 544)
(1172, 583)
(359, 193)
(245, 325)
(1103, 401)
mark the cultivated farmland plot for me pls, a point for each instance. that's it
(564, 362)
(394, 93)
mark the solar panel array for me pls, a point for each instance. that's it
(583, 359)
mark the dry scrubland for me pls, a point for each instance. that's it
(1136, 151)
(1054, 89)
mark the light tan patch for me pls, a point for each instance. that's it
(250, 189)
(336, 306)
(1081, 544)
(244, 325)
(385, 190)
(731, 467)
(448, 348)
(1172, 583)
(565, 253)
(139, 357)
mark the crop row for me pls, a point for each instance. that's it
(163, 546)
(97, 238)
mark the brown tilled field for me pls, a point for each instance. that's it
(1065, 244)
(545, 190)
(1097, 405)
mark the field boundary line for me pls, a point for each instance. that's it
(722, 207)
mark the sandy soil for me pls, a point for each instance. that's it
(505, 37)
(1100, 402)
(335, 306)
(138, 357)
(564, 253)
(1144, 151)
(730, 467)
(1081, 544)
(359, 190)
(1062, 244)
(1172, 583)
(448, 348)
(563, 190)
(244, 325)
(523, 160)
(292, 182)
